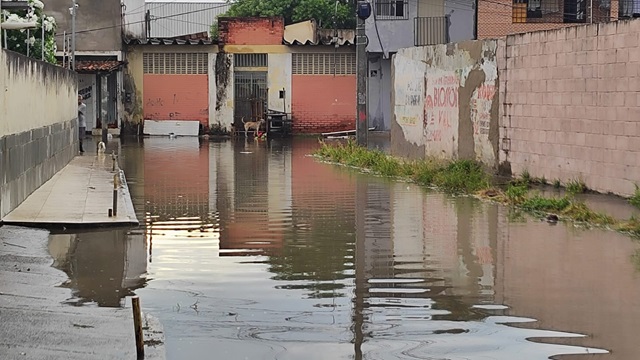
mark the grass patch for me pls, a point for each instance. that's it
(576, 186)
(461, 176)
(469, 177)
(635, 198)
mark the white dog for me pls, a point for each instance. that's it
(101, 147)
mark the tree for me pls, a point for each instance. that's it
(21, 40)
(327, 13)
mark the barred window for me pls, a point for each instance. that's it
(324, 64)
(250, 60)
(391, 9)
(175, 63)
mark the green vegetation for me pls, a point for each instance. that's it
(557, 184)
(635, 198)
(461, 176)
(327, 13)
(576, 186)
(469, 177)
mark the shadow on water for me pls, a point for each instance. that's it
(255, 250)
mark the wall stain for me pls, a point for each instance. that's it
(223, 77)
(466, 141)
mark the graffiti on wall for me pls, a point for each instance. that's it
(480, 106)
(440, 106)
(409, 98)
(86, 92)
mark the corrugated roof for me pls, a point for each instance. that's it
(171, 18)
(173, 41)
(94, 66)
(307, 33)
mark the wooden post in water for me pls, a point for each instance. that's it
(115, 195)
(137, 326)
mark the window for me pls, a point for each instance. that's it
(549, 11)
(324, 64)
(175, 63)
(391, 10)
(250, 60)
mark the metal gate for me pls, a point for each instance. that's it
(250, 97)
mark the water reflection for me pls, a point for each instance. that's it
(256, 250)
(103, 266)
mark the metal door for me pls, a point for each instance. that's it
(250, 90)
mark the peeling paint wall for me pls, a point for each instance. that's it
(278, 79)
(445, 102)
(38, 127)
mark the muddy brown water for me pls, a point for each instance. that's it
(254, 250)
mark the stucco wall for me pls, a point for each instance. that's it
(571, 105)
(279, 78)
(38, 131)
(97, 23)
(445, 102)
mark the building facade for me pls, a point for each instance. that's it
(100, 29)
(499, 18)
(187, 85)
(397, 24)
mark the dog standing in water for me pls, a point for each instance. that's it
(252, 125)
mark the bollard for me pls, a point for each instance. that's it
(115, 195)
(137, 327)
(113, 158)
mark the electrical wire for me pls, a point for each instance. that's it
(220, 5)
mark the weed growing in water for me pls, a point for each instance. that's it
(576, 186)
(526, 177)
(635, 198)
(516, 194)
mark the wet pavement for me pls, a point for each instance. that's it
(254, 250)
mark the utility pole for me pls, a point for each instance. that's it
(73, 35)
(362, 128)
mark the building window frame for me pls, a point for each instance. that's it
(391, 9)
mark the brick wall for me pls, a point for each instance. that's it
(251, 31)
(571, 105)
(322, 103)
(495, 19)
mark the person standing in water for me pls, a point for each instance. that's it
(82, 121)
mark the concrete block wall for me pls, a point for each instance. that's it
(39, 128)
(571, 105)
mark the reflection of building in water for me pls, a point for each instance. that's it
(103, 266)
(261, 202)
(319, 236)
(580, 281)
(176, 178)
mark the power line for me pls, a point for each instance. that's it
(142, 21)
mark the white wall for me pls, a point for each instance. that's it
(34, 94)
(278, 78)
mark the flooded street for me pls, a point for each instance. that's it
(254, 250)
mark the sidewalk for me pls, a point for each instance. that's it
(37, 321)
(80, 194)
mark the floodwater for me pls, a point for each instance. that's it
(254, 250)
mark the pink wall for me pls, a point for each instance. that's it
(323, 103)
(176, 97)
(570, 105)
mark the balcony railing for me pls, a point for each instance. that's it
(431, 30)
(391, 9)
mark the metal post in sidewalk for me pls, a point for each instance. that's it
(74, 8)
(137, 327)
(364, 11)
(115, 195)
